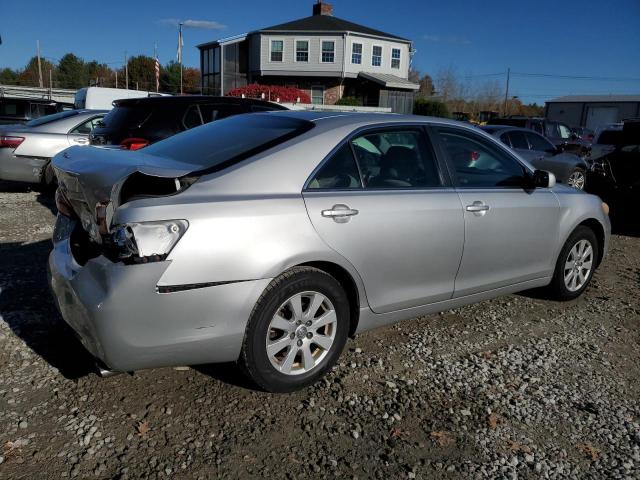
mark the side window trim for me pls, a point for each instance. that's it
(451, 168)
(446, 179)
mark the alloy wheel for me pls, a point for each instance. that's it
(576, 180)
(301, 333)
(578, 266)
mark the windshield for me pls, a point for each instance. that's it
(230, 139)
(51, 118)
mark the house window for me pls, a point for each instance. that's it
(376, 56)
(277, 49)
(328, 51)
(356, 53)
(317, 95)
(395, 58)
(302, 50)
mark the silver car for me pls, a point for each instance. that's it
(567, 167)
(269, 238)
(26, 150)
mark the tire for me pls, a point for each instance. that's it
(560, 288)
(278, 352)
(577, 178)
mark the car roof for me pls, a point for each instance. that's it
(339, 119)
(191, 99)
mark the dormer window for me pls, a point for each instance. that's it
(277, 50)
(328, 51)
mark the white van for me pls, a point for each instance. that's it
(99, 98)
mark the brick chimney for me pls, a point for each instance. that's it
(322, 8)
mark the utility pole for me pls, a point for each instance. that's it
(116, 78)
(39, 65)
(506, 92)
(50, 86)
(126, 71)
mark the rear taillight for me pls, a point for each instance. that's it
(134, 143)
(63, 205)
(10, 142)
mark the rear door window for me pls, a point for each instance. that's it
(539, 143)
(399, 158)
(339, 172)
(518, 140)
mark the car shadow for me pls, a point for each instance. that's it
(229, 373)
(26, 305)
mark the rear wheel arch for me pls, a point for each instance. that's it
(348, 284)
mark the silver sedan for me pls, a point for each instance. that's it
(568, 167)
(26, 150)
(269, 238)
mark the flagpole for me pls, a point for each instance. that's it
(180, 49)
(156, 66)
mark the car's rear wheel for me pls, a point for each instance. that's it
(575, 265)
(297, 330)
(577, 179)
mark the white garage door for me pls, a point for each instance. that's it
(598, 116)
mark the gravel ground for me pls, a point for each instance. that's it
(517, 387)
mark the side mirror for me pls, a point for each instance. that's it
(543, 179)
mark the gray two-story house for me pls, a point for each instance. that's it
(325, 56)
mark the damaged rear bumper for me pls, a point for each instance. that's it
(122, 320)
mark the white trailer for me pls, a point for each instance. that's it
(100, 98)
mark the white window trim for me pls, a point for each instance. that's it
(335, 44)
(381, 55)
(271, 40)
(361, 52)
(295, 49)
(399, 59)
(324, 89)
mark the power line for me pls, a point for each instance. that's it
(575, 77)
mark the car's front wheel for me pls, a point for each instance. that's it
(577, 179)
(297, 330)
(575, 265)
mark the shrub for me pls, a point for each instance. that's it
(272, 92)
(350, 101)
(431, 108)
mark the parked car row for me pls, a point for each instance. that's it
(22, 110)
(568, 167)
(26, 150)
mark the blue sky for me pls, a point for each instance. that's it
(586, 38)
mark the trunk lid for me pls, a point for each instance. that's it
(92, 177)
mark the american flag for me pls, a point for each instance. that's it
(157, 69)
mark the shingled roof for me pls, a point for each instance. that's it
(327, 23)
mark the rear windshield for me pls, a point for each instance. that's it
(12, 109)
(125, 117)
(230, 139)
(610, 137)
(51, 118)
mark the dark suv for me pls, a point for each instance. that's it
(21, 110)
(556, 132)
(137, 122)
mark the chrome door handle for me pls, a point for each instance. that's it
(340, 213)
(478, 208)
(81, 141)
